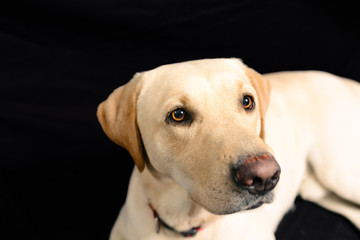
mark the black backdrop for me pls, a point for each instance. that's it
(60, 177)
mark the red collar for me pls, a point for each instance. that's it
(159, 222)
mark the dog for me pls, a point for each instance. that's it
(222, 151)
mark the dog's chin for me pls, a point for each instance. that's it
(242, 204)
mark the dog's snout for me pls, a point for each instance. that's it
(259, 174)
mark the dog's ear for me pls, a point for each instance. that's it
(117, 116)
(262, 88)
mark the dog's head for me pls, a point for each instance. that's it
(200, 123)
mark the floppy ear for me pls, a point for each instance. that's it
(117, 116)
(262, 88)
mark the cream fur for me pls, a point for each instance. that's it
(311, 128)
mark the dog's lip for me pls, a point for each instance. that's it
(256, 205)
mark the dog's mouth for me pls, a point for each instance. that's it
(266, 199)
(256, 205)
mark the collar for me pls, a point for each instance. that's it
(160, 223)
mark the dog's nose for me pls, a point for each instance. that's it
(259, 174)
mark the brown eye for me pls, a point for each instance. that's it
(248, 102)
(178, 115)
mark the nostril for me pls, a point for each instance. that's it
(276, 176)
(257, 181)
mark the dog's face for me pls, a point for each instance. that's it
(201, 124)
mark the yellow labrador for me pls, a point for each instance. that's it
(215, 143)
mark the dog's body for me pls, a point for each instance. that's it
(195, 133)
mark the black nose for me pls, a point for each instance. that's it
(259, 174)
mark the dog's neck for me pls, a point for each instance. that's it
(172, 203)
(159, 223)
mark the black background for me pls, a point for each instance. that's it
(60, 177)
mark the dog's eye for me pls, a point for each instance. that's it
(248, 102)
(178, 115)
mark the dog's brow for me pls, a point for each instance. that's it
(184, 100)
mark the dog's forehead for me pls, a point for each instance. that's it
(199, 75)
